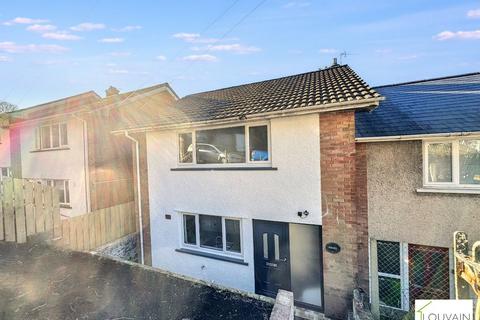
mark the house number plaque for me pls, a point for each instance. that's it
(333, 247)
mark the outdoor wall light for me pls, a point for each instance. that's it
(303, 214)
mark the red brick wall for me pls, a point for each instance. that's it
(342, 223)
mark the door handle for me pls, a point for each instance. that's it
(284, 259)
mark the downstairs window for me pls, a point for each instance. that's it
(209, 232)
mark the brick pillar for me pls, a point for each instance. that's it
(341, 223)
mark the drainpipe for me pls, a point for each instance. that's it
(85, 162)
(139, 193)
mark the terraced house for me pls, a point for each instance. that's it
(67, 144)
(255, 186)
(422, 154)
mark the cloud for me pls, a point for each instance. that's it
(5, 59)
(193, 38)
(23, 20)
(474, 14)
(328, 50)
(61, 35)
(383, 51)
(234, 47)
(161, 58)
(296, 4)
(118, 71)
(111, 40)
(449, 35)
(12, 47)
(120, 54)
(200, 57)
(88, 26)
(128, 28)
(412, 56)
(41, 27)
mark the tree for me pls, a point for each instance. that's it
(7, 107)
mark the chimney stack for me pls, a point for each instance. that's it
(111, 91)
(334, 62)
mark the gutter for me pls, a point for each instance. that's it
(85, 162)
(139, 193)
(340, 106)
(417, 136)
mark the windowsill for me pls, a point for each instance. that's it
(219, 168)
(65, 206)
(212, 256)
(51, 149)
(449, 190)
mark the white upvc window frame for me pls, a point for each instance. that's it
(66, 188)
(455, 184)
(38, 136)
(247, 162)
(198, 247)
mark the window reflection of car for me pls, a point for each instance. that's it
(208, 153)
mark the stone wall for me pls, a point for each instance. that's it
(126, 248)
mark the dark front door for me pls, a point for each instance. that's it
(272, 257)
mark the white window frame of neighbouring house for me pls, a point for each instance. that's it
(402, 276)
(455, 147)
(56, 131)
(197, 244)
(249, 159)
(55, 183)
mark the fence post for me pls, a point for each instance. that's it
(29, 208)
(47, 209)
(8, 212)
(374, 294)
(57, 228)
(38, 204)
(20, 224)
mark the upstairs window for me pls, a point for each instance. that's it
(52, 136)
(452, 163)
(231, 145)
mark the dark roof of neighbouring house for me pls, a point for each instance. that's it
(440, 105)
(338, 84)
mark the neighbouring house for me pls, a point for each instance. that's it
(257, 187)
(421, 155)
(67, 144)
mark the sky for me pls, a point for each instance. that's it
(55, 49)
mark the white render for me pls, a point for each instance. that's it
(57, 164)
(267, 195)
(4, 148)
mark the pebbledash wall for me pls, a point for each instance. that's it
(398, 213)
(268, 195)
(56, 164)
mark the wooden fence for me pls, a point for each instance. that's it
(92, 230)
(29, 208)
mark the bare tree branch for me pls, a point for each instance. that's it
(7, 107)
